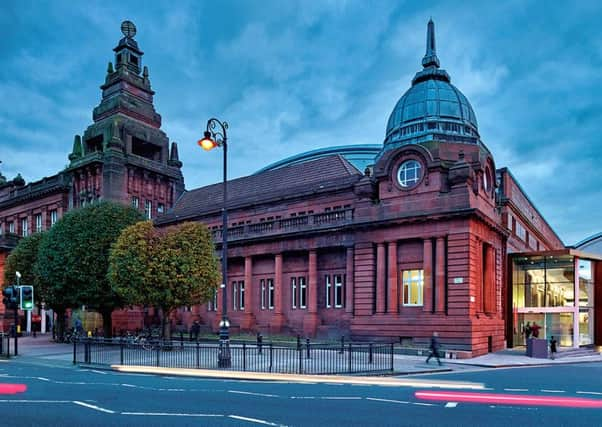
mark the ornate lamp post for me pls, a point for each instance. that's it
(215, 136)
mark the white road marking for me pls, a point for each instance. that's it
(589, 392)
(43, 379)
(253, 420)
(340, 398)
(552, 391)
(96, 408)
(451, 404)
(169, 414)
(386, 400)
(129, 385)
(253, 394)
(422, 404)
(303, 397)
(516, 389)
(98, 372)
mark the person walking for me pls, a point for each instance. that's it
(553, 348)
(434, 348)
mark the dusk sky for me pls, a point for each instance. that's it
(292, 76)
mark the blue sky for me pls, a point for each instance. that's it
(291, 76)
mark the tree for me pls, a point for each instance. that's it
(23, 259)
(166, 268)
(73, 260)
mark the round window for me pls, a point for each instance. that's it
(409, 173)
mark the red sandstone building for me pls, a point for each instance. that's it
(421, 241)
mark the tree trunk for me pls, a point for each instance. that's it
(166, 329)
(59, 325)
(107, 321)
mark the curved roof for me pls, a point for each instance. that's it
(592, 243)
(360, 156)
(433, 108)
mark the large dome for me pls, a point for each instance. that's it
(433, 108)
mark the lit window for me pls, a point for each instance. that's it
(302, 293)
(294, 292)
(409, 173)
(271, 294)
(338, 290)
(328, 289)
(241, 295)
(234, 295)
(412, 287)
(135, 202)
(262, 285)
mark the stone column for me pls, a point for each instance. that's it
(310, 320)
(427, 267)
(278, 317)
(349, 281)
(393, 306)
(248, 321)
(440, 276)
(380, 278)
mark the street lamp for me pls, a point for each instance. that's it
(215, 136)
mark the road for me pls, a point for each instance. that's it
(59, 394)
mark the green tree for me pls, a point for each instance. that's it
(23, 259)
(73, 260)
(165, 268)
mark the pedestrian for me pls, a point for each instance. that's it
(195, 330)
(259, 342)
(434, 348)
(535, 330)
(553, 348)
(528, 330)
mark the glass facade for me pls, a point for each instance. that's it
(556, 292)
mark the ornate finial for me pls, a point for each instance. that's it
(110, 69)
(430, 58)
(128, 29)
(77, 151)
(174, 159)
(145, 72)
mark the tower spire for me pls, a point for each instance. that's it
(430, 57)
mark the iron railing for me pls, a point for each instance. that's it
(350, 358)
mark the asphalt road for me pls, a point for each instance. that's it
(62, 395)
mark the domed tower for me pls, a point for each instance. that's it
(124, 156)
(433, 108)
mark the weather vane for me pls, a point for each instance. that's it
(128, 29)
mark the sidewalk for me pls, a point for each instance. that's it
(43, 349)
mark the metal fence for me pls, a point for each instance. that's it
(305, 358)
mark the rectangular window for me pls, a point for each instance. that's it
(148, 209)
(212, 304)
(38, 223)
(241, 294)
(294, 292)
(135, 202)
(271, 294)
(262, 287)
(338, 290)
(234, 295)
(53, 217)
(11, 227)
(160, 208)
(413, 281)
(328, 291)
(24, 227)
(302, 292)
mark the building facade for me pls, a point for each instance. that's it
(428, 237)
(123, 156)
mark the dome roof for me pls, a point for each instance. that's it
(433, 108)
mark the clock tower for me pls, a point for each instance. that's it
(124, 156)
